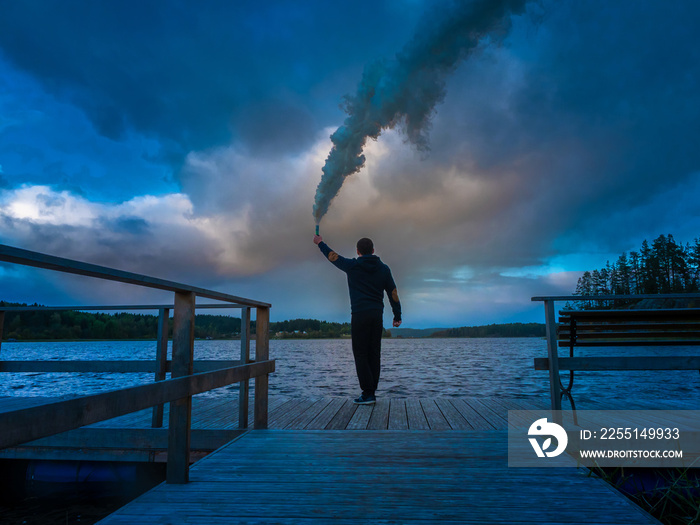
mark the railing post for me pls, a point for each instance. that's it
(262, 353)
(181, 409)
(161, 360)
(2, 325)
(243, 388)
(552, 354)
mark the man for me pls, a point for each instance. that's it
(368, 279)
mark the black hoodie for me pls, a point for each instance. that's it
(368, 279)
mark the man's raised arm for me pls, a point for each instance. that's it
(338, 261)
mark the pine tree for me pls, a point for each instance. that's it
(662, 267)
(635, 273)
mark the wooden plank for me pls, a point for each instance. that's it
(141, 366)
(277, 412)
(552, 355)
(87, 454)
(305, 417)
(380, 415)
(505, 406)
(112, 307)
(161, 362)
(636, 342)
(495, 415)
(215, 413)
(24, 425)
(9, 403)
(623, 363)
(180, 421)
(452, 415)
(529, 403)
(131, 438)
(325, 416)
(342, 418)
(475, 419)
(244, 386)
(415, 416)
(262, 353)
(138, 419)
(629, 314)
(398, 419)
(361, 417)
(312, 477)
(432, 413)
(510, 403)
(293, 412)
(615, 329)
(576, 298)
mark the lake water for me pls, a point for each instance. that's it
(410, 368)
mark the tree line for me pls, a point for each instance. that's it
(312, 329)
(72, 324)
(662, 267)
(495, 330)
(76, 325)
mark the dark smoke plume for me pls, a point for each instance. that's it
(406, 90)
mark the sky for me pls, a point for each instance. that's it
(186, 140)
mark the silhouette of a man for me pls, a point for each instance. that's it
(368, 279)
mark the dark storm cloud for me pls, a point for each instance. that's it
(44, 140)
(586, 115)
(194, 74)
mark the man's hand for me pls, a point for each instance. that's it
(318, 239)
(397, 324)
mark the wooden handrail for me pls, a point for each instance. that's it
(142, 366)
(115, 307)
(33, 423)
(559, 298)
(21, 426)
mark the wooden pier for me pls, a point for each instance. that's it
(400, 461)
(215, 423)
(378, 477)
(306, 460)
(417, 461)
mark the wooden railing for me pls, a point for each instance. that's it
(21, 426)
(553, 360)
(159, 367)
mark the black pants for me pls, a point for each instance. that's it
(366, 330)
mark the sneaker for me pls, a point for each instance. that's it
(365, 400)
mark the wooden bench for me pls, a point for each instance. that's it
(616, 328)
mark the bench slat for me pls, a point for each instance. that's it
(581, 326)
(668, 313)
(622, 363)
(623, 342)
(659, 327)
(634, 334)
